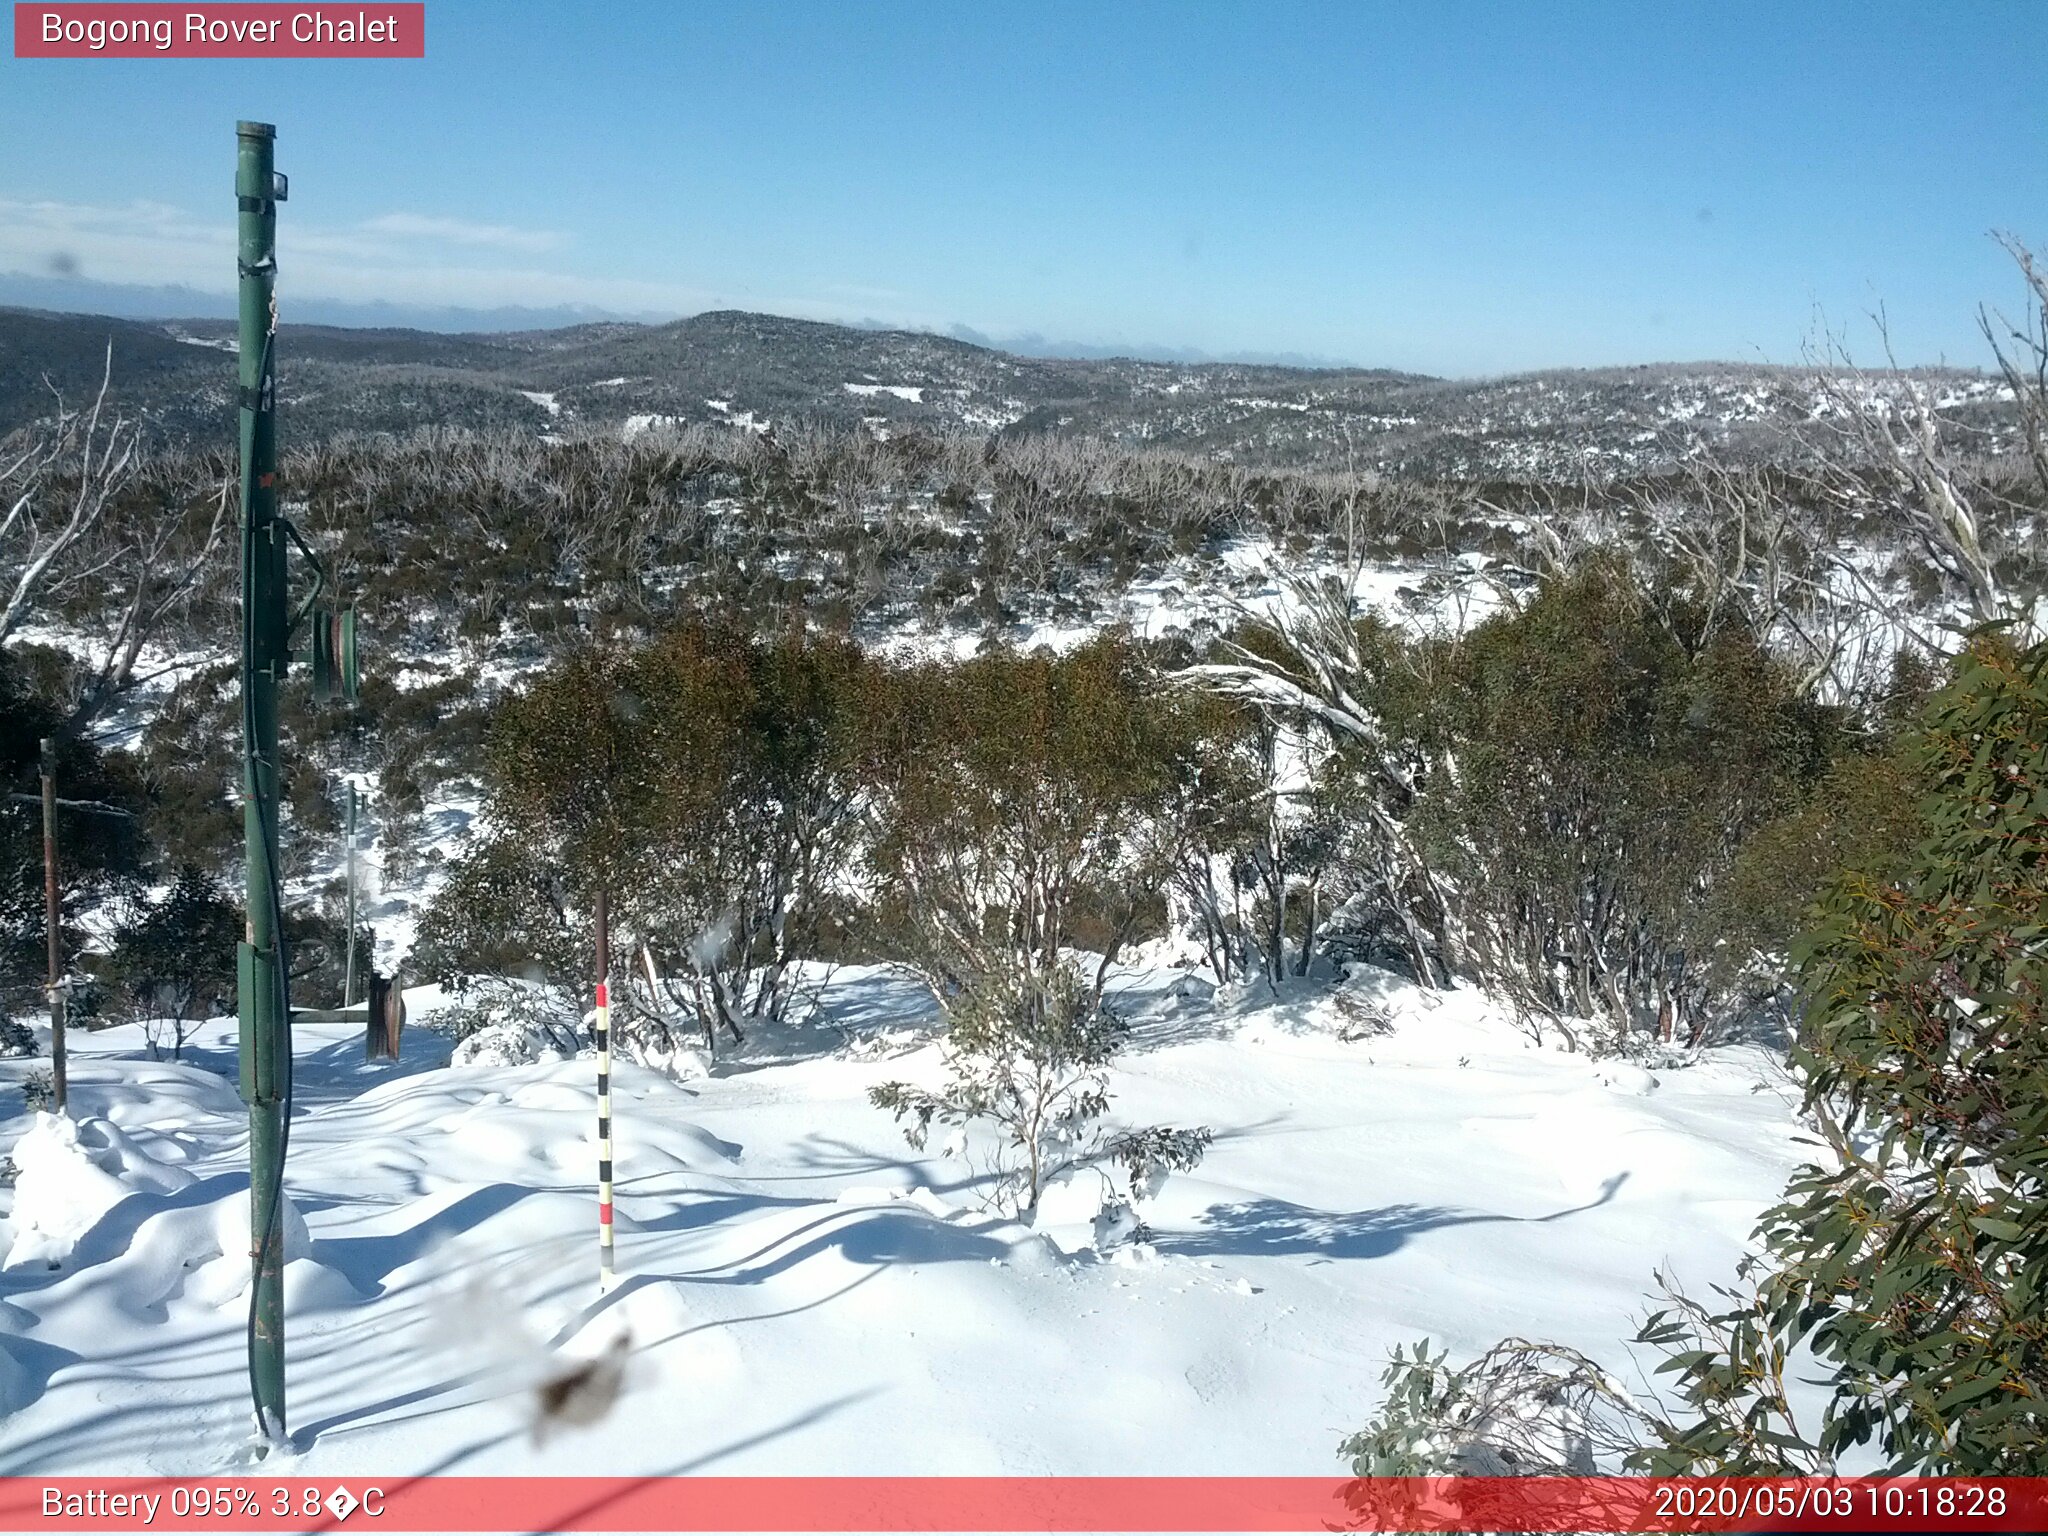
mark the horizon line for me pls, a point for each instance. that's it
(1026, 346)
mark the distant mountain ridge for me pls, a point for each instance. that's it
(753, 370)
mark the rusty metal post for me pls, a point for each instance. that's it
(52, 920)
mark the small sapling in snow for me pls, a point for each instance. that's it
(1028, 1059)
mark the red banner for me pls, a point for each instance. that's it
(250, 31)
(991, 1504)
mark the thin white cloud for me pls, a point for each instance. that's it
(400, 258)
(395, 258)
(424, 226)
(129, 242)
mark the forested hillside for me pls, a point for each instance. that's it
(1038, 786)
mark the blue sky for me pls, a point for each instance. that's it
(1453, 188)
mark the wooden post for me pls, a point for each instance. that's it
(383, 1017)
(607, 1272)
(52, 915)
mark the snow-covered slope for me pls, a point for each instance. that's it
(803, 1294)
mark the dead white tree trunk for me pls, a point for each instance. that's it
(1317, 680)
(1887, 460)
(2021, 348)
(58, 481)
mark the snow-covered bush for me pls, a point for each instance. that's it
(502, 1022)
(1361, 1017)
(68, 1174)
(502, 1045)
(16, 1038)
(61, 1189)
(1028, 1060)
(1520, 1410)
(1360, 699)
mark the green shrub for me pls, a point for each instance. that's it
(1914, 1265)
(173, 960)
(1605, 757)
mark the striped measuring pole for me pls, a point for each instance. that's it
(607, 1272)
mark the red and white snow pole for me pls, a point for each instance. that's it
(607, 1274)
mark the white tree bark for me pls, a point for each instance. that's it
(58, 481)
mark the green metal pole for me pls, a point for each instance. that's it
(265, 1038)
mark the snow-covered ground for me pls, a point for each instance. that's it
(1247, 579)
(804, 1294)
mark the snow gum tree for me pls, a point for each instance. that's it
(1906, 1267)
(1912, 1262)
(1603, 761)
(758, 820)
(1023, 806)
(174, 959)
(708, 783)
(567, 770)
(1350, 684)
